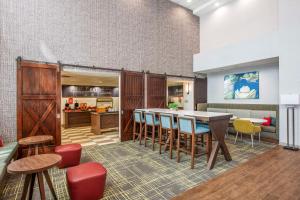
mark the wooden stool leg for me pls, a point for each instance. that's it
(167, 141)
(134, 131)
(41, 185)
(160, 139)
(171, 143)
(193, 151)
(31, 185)
(25, 188)
(191, 142)
(178, 147)
(146, 135)
(47, 177)
(140, 133)
(153, 137)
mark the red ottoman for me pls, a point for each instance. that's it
(70, 154)
(86, 181)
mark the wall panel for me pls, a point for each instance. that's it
(154, 35)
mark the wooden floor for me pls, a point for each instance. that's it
(270, 176)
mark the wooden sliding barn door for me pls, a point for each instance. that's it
(132, 97)
(38, 104)
(200, 91)
(156, 91)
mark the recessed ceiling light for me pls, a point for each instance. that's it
(217, 4)
(189, 1)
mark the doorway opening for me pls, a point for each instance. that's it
(90, 105)
(180, 93)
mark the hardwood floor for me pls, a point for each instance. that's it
(270, 176)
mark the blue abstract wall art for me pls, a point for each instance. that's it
(242, 86)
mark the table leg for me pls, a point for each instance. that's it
(41, 185)
(49, 182)
(31, 185)
(208, 146)
(36, 149)
(44, 148)
(29, 151)
(218, 129)
(25, 188)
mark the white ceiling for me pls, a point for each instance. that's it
(194, 4)
(201, 7)
(89, 79)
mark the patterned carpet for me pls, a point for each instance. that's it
(136, 172)
(84, 136)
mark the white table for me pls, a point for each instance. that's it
(218, 123)
(255, 120)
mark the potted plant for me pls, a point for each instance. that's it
(173, 106)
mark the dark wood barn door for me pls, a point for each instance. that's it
(132, 97)
(156, 91)
(200, 91)
(38, 104)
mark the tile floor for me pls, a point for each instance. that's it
(84, 136)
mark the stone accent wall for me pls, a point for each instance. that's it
(154, 35)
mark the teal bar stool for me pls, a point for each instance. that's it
(151, 122)
(140, 121)
(167, 130)
(189, 126)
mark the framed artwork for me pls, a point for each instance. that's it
(241, 86)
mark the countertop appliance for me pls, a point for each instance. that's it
(103, 103)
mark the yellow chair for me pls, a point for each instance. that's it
(246, 127)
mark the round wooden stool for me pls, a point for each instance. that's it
(33, 142)
(33, 166)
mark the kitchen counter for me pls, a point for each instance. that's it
(104, 121)
(77, 118)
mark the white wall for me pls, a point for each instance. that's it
(268, 85)
(236, 22)
(289, 62)
(246, 20)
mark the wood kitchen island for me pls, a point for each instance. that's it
(104, 121)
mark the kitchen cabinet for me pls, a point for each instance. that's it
(105, 121)
(175, 91)
(77, 118)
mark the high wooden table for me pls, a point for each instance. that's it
(35, 166)
(33, 142)
(218, 123)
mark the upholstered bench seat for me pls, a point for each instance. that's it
(6, 154)
(86, 181)
(2, 170)
(70, 153)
